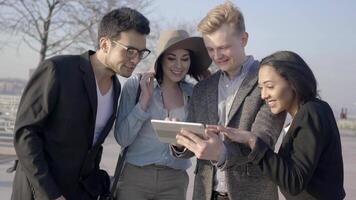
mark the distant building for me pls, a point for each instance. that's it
(12, 86)
(10, 94)
(8, 110)
(343, 114)
(9, 103)
(7, 124)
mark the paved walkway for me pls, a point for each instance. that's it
(111, 150)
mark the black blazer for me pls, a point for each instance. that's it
(309, 163)
(54, 130)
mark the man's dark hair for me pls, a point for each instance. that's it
(122, 19)
(295, 71)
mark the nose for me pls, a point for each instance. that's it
(217, 54)
(135, 60)
(264, 94)
(178, 64)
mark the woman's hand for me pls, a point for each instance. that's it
(146, 84)
(238, 135)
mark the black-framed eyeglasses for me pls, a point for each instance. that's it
(132, 52)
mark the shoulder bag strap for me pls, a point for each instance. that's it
(121, 159)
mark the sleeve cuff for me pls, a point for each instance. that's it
(139, 113)
(176, 152)
(258, 152)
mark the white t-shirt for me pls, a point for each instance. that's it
(104, 111)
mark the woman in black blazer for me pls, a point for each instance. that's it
(309, 162)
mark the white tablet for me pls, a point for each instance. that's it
(167, 130)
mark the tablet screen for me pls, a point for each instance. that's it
(167, 130)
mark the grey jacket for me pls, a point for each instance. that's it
(244, 180)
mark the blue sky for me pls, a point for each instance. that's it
(323, 32)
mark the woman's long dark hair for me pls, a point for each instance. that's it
(193, 68)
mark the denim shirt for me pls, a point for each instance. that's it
(133, 126)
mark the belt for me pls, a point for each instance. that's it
(220, 196)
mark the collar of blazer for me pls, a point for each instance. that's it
(246, 86)
(89, 80)
(90, 85)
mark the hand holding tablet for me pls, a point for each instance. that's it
(167, 130)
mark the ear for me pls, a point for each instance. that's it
(244, 39)
(104, 44)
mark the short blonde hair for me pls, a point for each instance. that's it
(225, 13)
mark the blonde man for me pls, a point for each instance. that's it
(230, 98)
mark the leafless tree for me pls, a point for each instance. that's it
(91, 12)
(53, 26)
(41, 24)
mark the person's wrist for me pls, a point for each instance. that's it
(143, 106)
(222, 155)
(252, 141)
(220, 151)
(143, 103)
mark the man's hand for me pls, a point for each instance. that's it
(146, 84)
(208, 148)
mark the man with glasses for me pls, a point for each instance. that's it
(68, 109)
(132, 52)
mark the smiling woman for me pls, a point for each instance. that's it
(164, 94)
(309, 163)
(276, 91)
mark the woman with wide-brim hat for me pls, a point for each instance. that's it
(151, 172)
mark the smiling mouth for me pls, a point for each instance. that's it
(271, 103)
(176, 72)
(222, 61)
(130, 68)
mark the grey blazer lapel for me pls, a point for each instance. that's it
(212, 98)
(246, 86)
